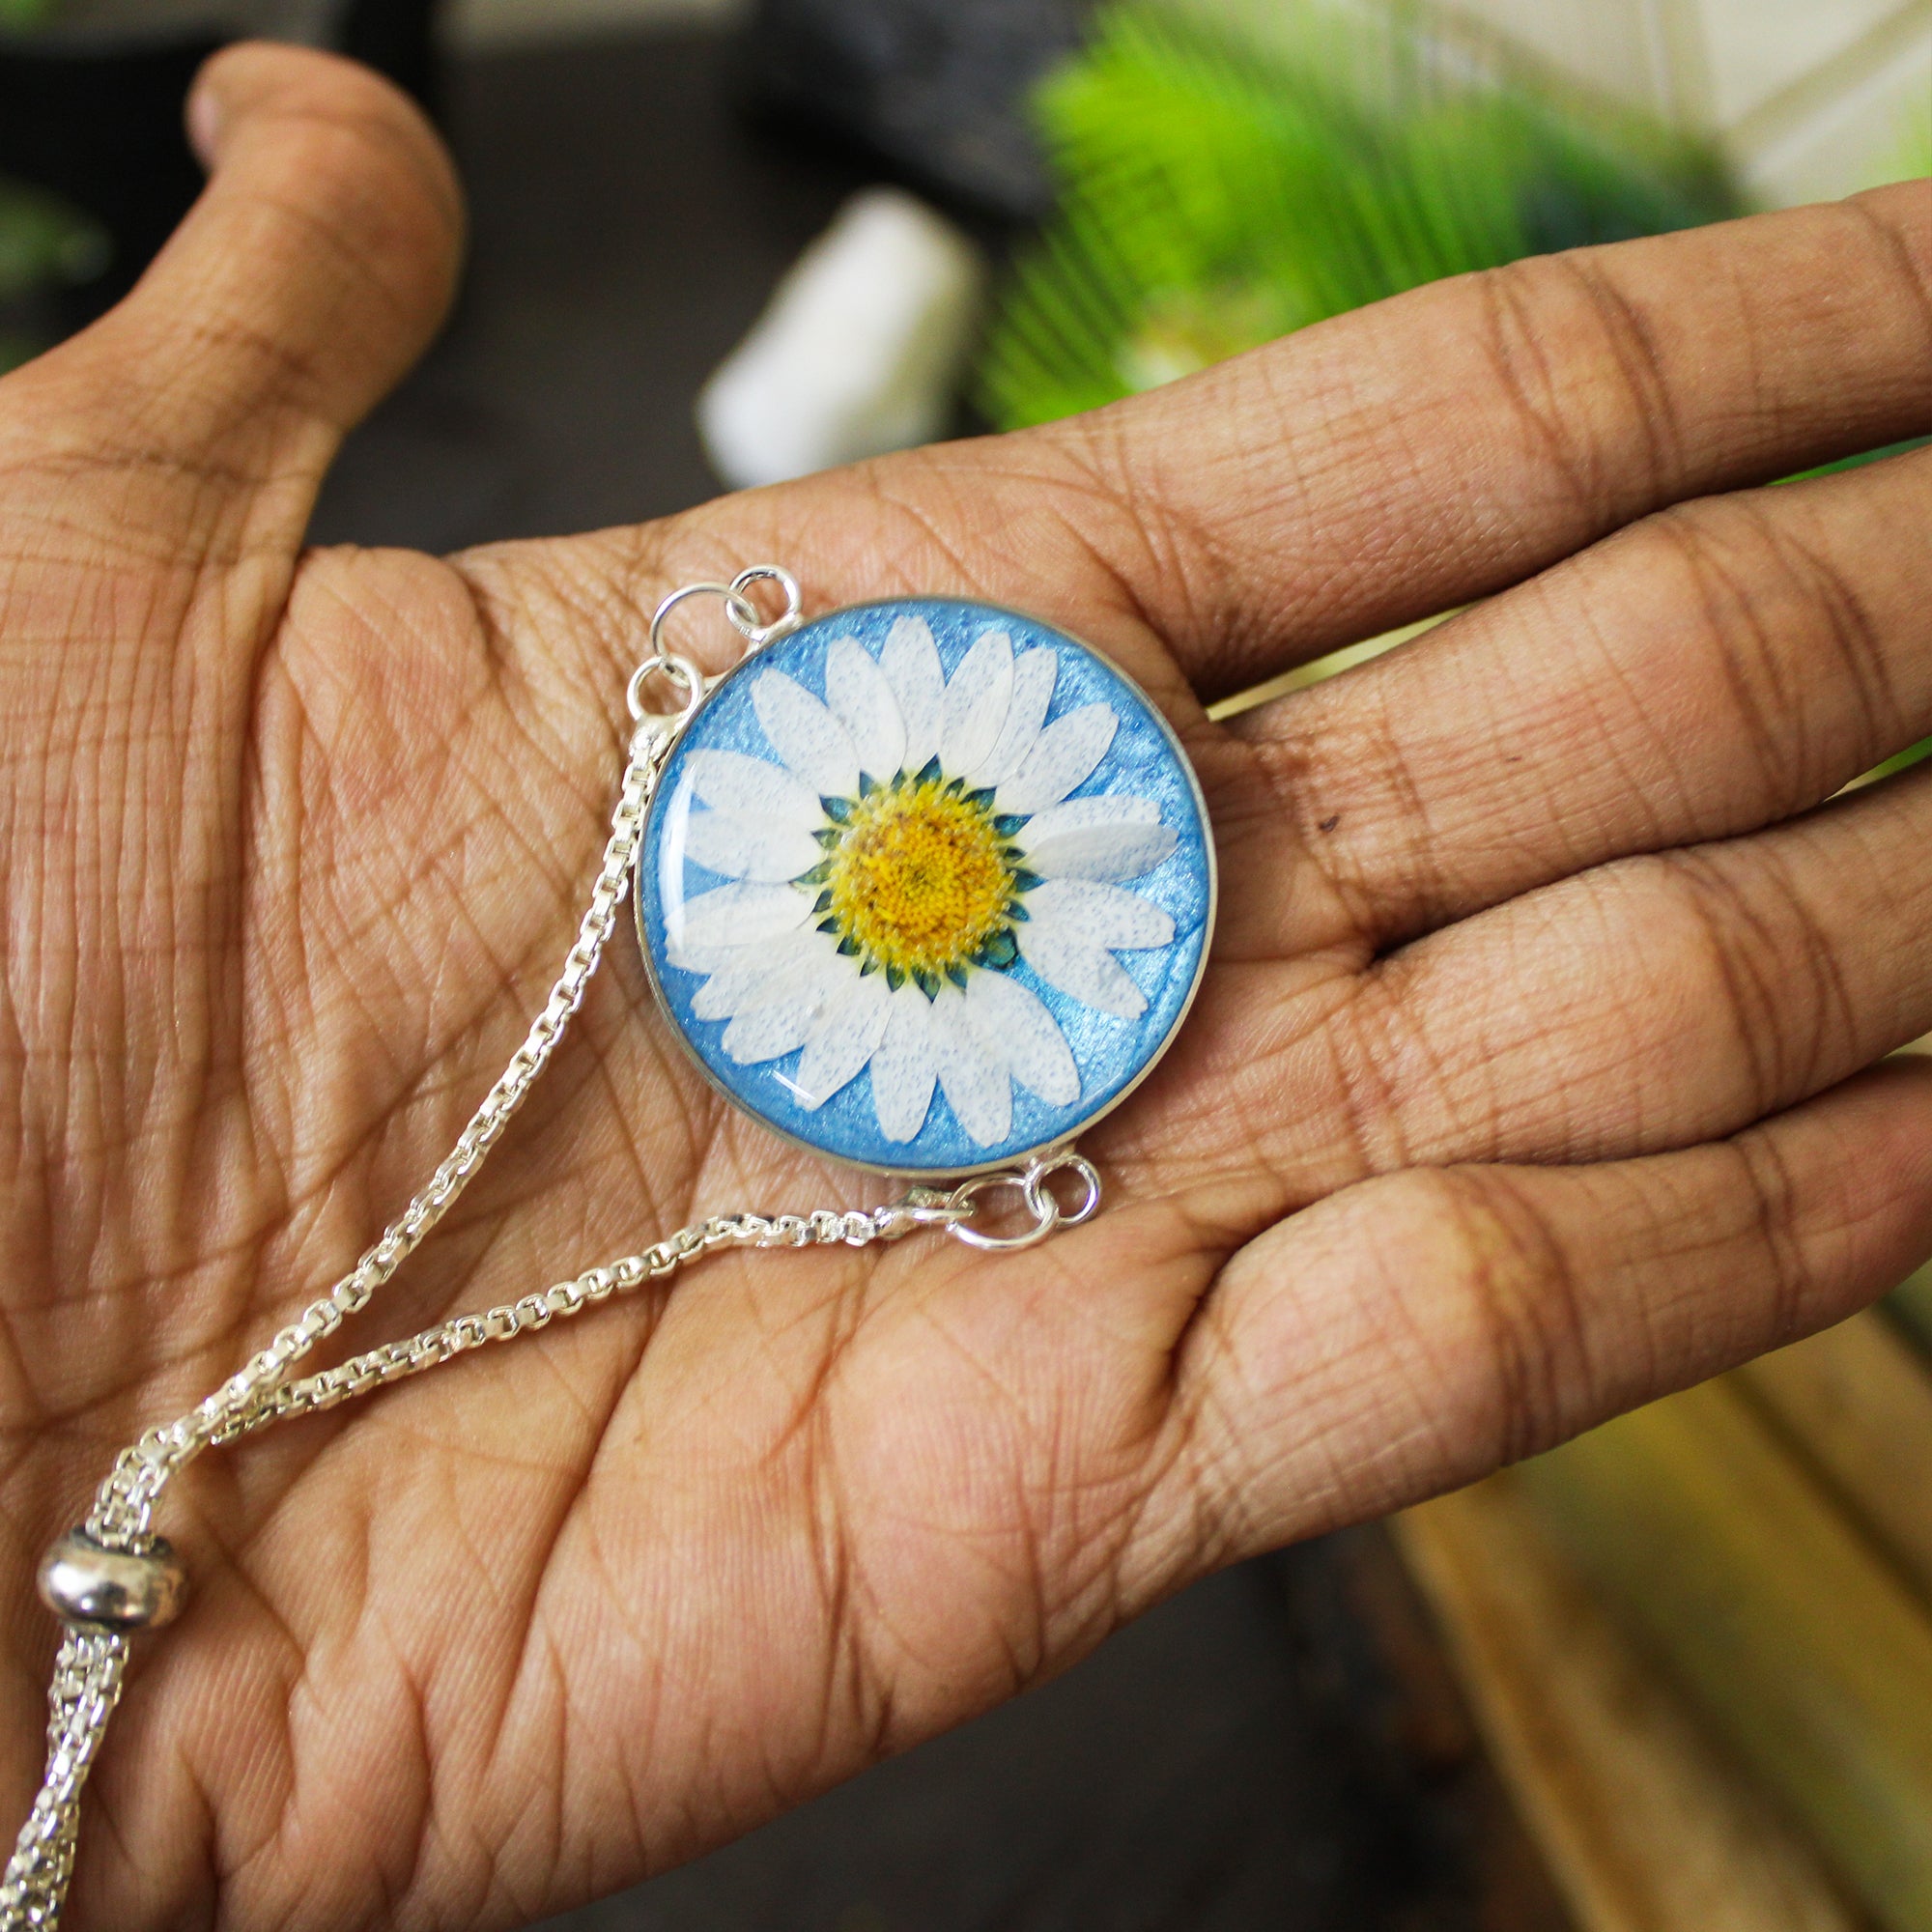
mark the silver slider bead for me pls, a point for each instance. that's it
(93, 1587)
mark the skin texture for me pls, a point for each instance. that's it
(1533, 1075)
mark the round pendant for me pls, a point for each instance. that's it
(926, 886)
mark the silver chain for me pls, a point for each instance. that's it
(92, 1662)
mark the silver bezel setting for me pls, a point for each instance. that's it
(1012, 1158)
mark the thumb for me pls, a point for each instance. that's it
(313, 269)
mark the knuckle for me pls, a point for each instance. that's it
(1381, 1068)
(1740, 970)
(1165, 563)
(1508, 1303)
(1325, 769)
(1769, 965)
(1580, 366)
(1776, 616)
(1413, 1071)
(1773, 1206)
(1902, 247)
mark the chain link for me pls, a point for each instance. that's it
(88, 1669)
(394, 1361)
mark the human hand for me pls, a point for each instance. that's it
(1532, 1076)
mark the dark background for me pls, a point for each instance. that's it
(1279, 1749)
(627, 226)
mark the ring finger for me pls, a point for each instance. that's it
(1647, 1005)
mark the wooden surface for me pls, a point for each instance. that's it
(1808, 1652)
(1648, 1824)
(1855, 1404)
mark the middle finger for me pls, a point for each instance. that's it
(1715, 668)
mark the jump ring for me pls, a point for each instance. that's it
(1045, 1210)
(755, 634)
(680, 670)
(1066, 1161)
(743, 615)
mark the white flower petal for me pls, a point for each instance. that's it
(1089, 973)
(977, 702)
(1063, 756)
(753, 788)
(758, 976)
(861, 697)
(1070, 927)
(1115, 836)
(1033, 674)
(767, 1032)
(1010, 1023)
(847, 1033)
(910, 662)
(712, 959)
(806, 735)
(977, 1087)
(1097, 914)
(1101, 851)
(741, 914)
(902, 1068)
(743, 848)
(1076, 815)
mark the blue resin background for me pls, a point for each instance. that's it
(1111, 1053)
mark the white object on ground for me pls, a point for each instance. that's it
(858, 351)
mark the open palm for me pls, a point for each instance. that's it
(1532, 1075)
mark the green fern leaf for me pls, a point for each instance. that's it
(1228, 173)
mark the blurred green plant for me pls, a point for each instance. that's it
(18, 14)
(1916, 155)
(1230, 172)
(43, 240)
(46, 242)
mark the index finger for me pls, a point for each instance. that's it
(1379, 468)
(1432, 449)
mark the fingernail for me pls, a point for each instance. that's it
(204, 126)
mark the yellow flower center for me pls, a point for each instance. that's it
(918, 881)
